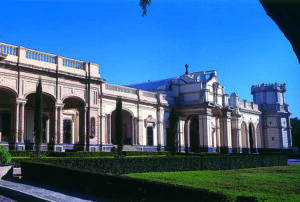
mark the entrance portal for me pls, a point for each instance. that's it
(194, 135)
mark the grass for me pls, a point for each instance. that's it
(268, 183)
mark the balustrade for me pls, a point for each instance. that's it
(120, 89)
(73, 64)
(33, 55)
(8, 49)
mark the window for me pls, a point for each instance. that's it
(150, 136)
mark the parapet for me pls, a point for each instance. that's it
(29, 57)
(268, 87)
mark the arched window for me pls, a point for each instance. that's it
(215, 91)
(150, 136)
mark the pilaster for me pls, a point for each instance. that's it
(205, 139)
(226, 140)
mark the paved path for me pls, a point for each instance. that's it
(23, 190)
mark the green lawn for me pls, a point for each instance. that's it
(268, 183)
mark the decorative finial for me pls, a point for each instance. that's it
(186, 69)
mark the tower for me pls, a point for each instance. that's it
(275, 117)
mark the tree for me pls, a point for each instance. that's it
(295, 123)
(144, 4)
(119, 125)
(172, 131)
(38, 117)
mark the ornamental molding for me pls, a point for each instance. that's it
(150, 119)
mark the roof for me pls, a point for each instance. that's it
(151, 85)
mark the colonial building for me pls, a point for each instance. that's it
(79, 109)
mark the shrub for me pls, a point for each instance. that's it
(5, 157)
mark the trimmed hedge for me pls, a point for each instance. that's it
(30, 153)
(120, 166)
(146, 153)
(16, 153)
(294, 155)
(115, 187)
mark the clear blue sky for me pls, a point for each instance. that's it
(237, 39)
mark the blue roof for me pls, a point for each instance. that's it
(150, 85)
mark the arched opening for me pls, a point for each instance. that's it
(7, 96)
(150, 136)
(194, 134)
(48, 119)
(244, 135)
(74, 122)
(252, 138)
(259, 137)
(127, 127)
(67, 136)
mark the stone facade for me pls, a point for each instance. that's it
(79, 109)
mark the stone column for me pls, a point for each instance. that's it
(59, 125)
(102, 129)
(47, 131)
(135, 130)
(21, 122)
(140, 134)
(14, 126)
(132, 131)
(55, 125)
(73, 130)
(108, 131)
(181, 134)
(235, 135)
(187, 135)
(61, 132)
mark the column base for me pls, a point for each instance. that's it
(226, 150)
(16, 146)
(245, 150)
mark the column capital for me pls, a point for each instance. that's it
(21, 101)
(59, 105)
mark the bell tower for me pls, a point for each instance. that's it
(275, 117)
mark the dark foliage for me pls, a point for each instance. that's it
(172, 131)
(295, 123)
(5, 157)
(38, 117)
(143, 4)
(120, 166)
(119, 125)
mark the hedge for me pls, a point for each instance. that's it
(17, 153)
(294, 155)
(115, 187)
(120, 166)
